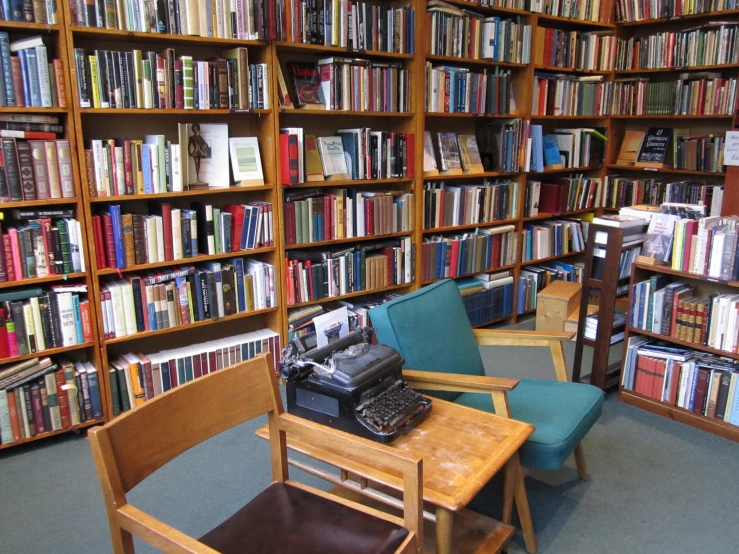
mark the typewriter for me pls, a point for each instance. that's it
(351, 385)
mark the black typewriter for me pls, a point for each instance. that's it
(351, 385)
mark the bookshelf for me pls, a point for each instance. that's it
(55, 40)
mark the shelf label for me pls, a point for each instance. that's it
(731, 148)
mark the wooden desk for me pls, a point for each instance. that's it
(461, 450)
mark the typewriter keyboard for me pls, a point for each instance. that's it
(391, 408)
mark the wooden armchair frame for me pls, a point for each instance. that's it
(127, 450)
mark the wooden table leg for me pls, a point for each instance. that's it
(522, 505)
(444, 530)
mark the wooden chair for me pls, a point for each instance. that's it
(285, 517)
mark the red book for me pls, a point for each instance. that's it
(15, 67)
(211, 361)
(672, 396)
(454, 258)
(61, 89)
(179, 86)
(173, 373)
(290, 236)
(38, 411)
(289, 267)
(97, 231)
(284, 160)
(148, 378)
(410, 149)
(293, 159)
(63, 399)
(197, 368)
(237, 212)
(166, 213)
(8, 250)
(109, 240)
(4, 347)
(204, 363)
(675, 308)
(701, 388)
(86, 322)
(14, 420)
(660, 368)
(127, 166)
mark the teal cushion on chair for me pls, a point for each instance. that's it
(414, 324)
(562, 413)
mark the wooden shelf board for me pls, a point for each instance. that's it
(684, 343)
(469, 226)
(712, 116)
(298, 111)
(89, 423)
(556, 69)
(665, 170)
(563, 214)
(478, 115)
(24, 25)
(39, 204)
(471, 61)
(42, 280)
(614, 210)
(321, 49)
(116, 34)
(147, 334)
(568, 21)
(551, 258)
(685, 274)
(349, 182)
(471, 175)
(493, 321)
(32, 110)
(567, 170)
(47, 352)
(545, 117)
(185, 261)
(350, 295)
(303, 245)
(169, 111)
(490, 270)
(681, 19)
(699, 421)
(200, 192)
(678, 69)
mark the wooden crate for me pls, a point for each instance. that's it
(555, 303)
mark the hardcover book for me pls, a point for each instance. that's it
(331, 150)
(245, 161)
(313, 167)
(449, 158)
(552, 155)
(306, 83)
(653, 151)
(630, 147)
(658, 244)
(470, 154)
(429, 158)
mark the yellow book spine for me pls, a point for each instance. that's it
(249, 286)
(95, 81)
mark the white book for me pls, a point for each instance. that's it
(659, 300)
(6, 429)
(176, 163)
(38, 326)
(714, 320)
(80, 246)
(97, 158)
(43, 76)
(109, 316)
(54, 414)
(729, 342)
(716, 256)
(128, 307)
(74, 244)
(68, 328)
(176, 234)
(730, 396)
(245, 159)
(160, 237)
(116, 307)
(150, 232)
(214, 167)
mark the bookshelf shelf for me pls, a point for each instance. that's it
(684, 343)
(158, 332)
(556, 69)
(32, 110)
(304, 245)
(40, 204)
(349, 183)
(472, 61)
(551, 258)
(469, 226)
(42, 280)
(116, 34)
(89, 423)
(489, 9)
(568, 22)
(195, 192)
(541, 216)
(47, 352)
(685, 274)
(678, 69)
(470, 175)
(350, 295)
(567, 170)
(26, 26)
(681, 19)
(679, 117)
(491, 270)
(699, 421)
(321, 49)
(184, 261)
(545, 117)
(478, 115)
(345, 113)
(665, 170)
(168, 111)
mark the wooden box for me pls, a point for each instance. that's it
(555, 303)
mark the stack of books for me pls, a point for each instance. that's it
(590, 51)
(30, 78)
(41, 396)
(467, 253)
(707, 247)
(448, 206)
(591, 327)
(186, 295)
(454, 154)
(566, 94)
(552, 238)
(575, 147)
(332, 214)
(451, 89)
(135, 378)
(700, 153)
(34, 319)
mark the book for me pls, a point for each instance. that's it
(246, 162)
(429, 158)
(331, 152)
(313, 165)
(658, 243)
(214, 165)
(449, 157)
(653, 150)
(306, 85)
(469, 154)
(630, 148)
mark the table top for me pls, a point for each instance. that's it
(461, 450)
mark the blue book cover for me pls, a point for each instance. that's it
(181, 377)
(349, 142)
(189, 374)
(521, 295)
(552, 157)
(691, 403)
(33, 78)
(496, 37)
(247, 224)
(569, 269)
(200, 308)
(734, 419)
(166, 379)
(462, 94)
(253, 220)
(238, 264)
(152, 311)
(78, 318)
(25, 74)
(120, 254)
(13, 10)
(146, 168)
(94, 391)
(7, 69)
(537, 148)
(357, 270)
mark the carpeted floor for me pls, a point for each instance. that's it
(656, 486)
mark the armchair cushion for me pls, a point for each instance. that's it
(411, 323)
(562, 413)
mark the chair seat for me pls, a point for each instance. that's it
(283, 518)
(562, 413)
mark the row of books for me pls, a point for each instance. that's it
(453, 154)
(710, 44)
(557, 94)
(340, 213)
(135, 378)
(151, 80)
(40, 248)
(447, 205)
(29, 12)
(468, 253)
(243, 20)
(706, 246)
(629, 191)
(30, 78)
(574, 49)
(186, 295)
(170, 234)
(35, 169)
(451, 89)
(700, 153)
(34, 319)
(651, 149)
(626, 260)
(24, 123)
(353, 24)
(314, 275)
(695, 381)
(550, 238)
(642, 10)
(487, 297)
(502, 144)
(461, 33)
(696, 94)
(573, 147)
(534, 278)
(585, 10)
(565, 194)
(41, 395)
(351, 154)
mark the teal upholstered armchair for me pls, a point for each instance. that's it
(430, 328)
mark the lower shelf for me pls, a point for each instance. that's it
(52, 433)
(720, 428)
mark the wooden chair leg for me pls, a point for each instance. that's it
(582, 469)
(522, 506)
(558, 357)
(122, 540)
(444, 530)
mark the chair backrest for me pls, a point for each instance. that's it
(431, 330)
(134, 445)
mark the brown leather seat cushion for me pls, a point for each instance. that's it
(284, 519)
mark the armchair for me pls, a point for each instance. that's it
(285, 517)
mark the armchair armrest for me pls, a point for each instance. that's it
(496, 337)
(452, 382)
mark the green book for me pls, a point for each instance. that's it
(114, 392)
(122, 388)
(61, 225)
(217, 230)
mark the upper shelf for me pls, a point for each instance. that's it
(682, 19)
(285, 46)
(116, 34)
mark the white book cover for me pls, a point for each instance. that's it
(176, 234)
(66, 319)
(160, 237)
(6, 429)
(214, 163)
(128, 307)
(245, 159)
(81, 245)
(150, 230)
(74, 244)
(176, 164)
(116, 306)
(331, 150)
(42, 60)
(38, 326)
